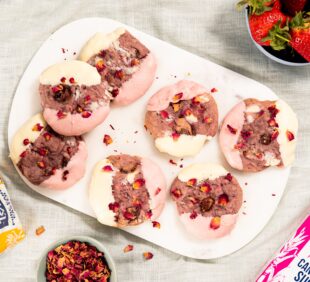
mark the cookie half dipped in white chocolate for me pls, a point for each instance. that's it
(127, 190)
(73, 98)
(259, 134)
(45, 158)
(125, 65)
(208, 199)
(181, 118)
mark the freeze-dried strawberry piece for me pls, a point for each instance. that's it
(191, 182)
(107, 139)
(128, 248)
(272, 122)
(129, 215)
(107, 168)
(156, 224)
(231, 129)
(215, 223)
(138, 183)
(147, 255)
(290, 136)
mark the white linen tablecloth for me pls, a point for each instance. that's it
(212, 29)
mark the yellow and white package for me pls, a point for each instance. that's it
(11, 231)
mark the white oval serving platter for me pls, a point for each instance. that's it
(262, 191)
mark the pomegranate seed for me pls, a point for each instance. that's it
(290, 136)
(57, 88)
(107, 168)
(72, 80)
(26, 141)
(128, 248)
(148, 214)
(229, 177)
(273, 111)
(63, 79)
(156, 224)
(215, 222)
(86, 114)
(147, 255)
(65, 175)
(129, 215)
(231, 129)
(193, 215)
(196, 100)
(87, 100)
(176, 193)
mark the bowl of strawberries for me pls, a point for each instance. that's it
(280, 29)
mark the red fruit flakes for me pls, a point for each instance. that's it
(100, 66)
(290, 136)
(138, 183)
(215, 222)
(63, 80)
(128, 248)
(76, 261)
(191, 182)
(72, 80)
(177, 97)
(47, 136)
(164, 114)
(193, 215)
(107, 168)
(156, 224)
(157, 191)
(147, 255)
(107, 139)
(231, 129)
(229, 176)
(205, 187)
(223, 200)
(175, 136)
(176, 193)
(86, 114)
(114, 207)
(61, 114)
(40, 230)
(37, 127)
(26, 141)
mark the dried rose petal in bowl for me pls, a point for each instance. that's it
(77, 259)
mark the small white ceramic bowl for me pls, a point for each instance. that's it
(269, 55)
(42, 263)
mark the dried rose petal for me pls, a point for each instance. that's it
(128, 248)
(213, 90)
(114, 207)
(223, 200)
(40, 230)
(61, 114)
(215, 222)
(87, 100)
(205, 187)
(193, 215)
(245, 134)
(138, 183)
(229, 176)
(148, 214)
(102, 53)
(164, 114)
(157, 191)
(290, 136)
(107, 168)
(175, 136)
(119, 74)
(147, 255)
(239, 146)
(63, 79)
(208, 120)
(275, 135)
(57, 88)
(129, 215)
(100, 66)
(72, 80)
(172, 162)
(115, 92)
(273, 111)
(206, 204)
(26, 141)
(156, 224)
(65, 175)
(231, 129)
(86, 114)
(191, 182)
(37, 127)
(187, 112)
(134, 62)
(176, 193)
(107, 139)
(43, 151)
(192, 200)
(41, 164)
(177, 97)
(196, 100)
(23, 154)
(272, 122)
(176, 107)
(47, 136)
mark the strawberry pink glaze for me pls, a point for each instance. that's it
(235, 118)
(154, 179)
(75, 124)
(161, 99)
(138, 84)
(76, 168)
(200, 226)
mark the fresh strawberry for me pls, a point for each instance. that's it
(293, 6)
(295, 33)
(263, 15)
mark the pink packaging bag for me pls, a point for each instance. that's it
(292, 262)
